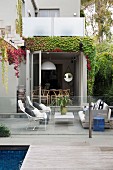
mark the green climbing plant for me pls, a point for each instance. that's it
(19, 18)
(104, 73)
(4, 64)
(4, 61)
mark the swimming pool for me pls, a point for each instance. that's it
(11, 157)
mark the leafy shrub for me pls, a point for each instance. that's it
(108, 96)
(4, 131)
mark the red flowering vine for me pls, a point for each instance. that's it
(88, 63)
(16, 57)
(57, 50)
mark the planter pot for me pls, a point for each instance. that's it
(63, 110)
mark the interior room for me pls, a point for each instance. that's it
(57, 78)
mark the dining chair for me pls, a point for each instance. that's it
(45, 96)
(66, 92)
(55, 95)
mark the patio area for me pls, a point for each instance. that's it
(63, 145)
(18, 126)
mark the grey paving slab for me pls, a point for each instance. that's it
(61, 146)
(18, 126)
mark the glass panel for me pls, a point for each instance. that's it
(48, 12)
(76, 122)
(53, 26)
(41, 26)
(64, 26)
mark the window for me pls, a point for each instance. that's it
(49, 13)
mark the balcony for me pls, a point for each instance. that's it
(59, 26)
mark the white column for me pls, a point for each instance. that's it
(83, 79)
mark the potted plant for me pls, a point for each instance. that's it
(63, 101)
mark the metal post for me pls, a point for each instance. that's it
(31, 82)
(39, 76)
(90, 118)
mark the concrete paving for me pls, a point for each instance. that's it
(18, 126)
(56, 132)
(61, 139)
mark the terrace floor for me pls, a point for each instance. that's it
(18, 126)
(63, 146)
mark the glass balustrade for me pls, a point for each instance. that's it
(81, 112)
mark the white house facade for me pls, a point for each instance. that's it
(46, 18)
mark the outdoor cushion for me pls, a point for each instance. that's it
(39, 114)
(35, 104)
(101, 104)
(97, 104)
(92, 105)
(47, 109)
(81, 116)
(85, 108)
(29, 111)
(109, 114)
(105, 106)
(43, 106)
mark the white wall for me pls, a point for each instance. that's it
(22, 73)
(67, 7)
(8, 13)
(8, 99)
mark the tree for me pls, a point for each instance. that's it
(100, 17)
(86, 3)
(104, 70)
(103, 18)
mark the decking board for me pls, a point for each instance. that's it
(68, 157)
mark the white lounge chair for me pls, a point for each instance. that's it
(40, 107)
(34, 116)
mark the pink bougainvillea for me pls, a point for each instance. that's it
(16, 57)
(88, 63)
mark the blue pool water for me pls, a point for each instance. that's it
(12, 158)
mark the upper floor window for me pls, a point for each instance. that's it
(49, 12)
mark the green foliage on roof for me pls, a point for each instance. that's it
(66, 44)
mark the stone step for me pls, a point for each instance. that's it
(13, 115)
(14, 39)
